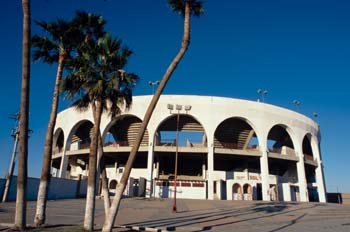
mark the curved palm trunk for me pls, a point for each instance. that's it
(21, 201)
(91, 188)
(109, 221)
(45, 172)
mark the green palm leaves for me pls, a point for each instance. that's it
(179, 6)
(64, 37)
(97, 75)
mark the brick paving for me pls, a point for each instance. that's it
(198, 215)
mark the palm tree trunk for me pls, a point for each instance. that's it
(102, 167)
(45, 172)
(109, 221)
(91, 189)
(21, 200)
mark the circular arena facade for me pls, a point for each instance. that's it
(227, 149)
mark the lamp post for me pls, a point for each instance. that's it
(262, 92)
(153, 83)
(178, 108)
(296, 103)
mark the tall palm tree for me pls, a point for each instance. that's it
(186, 8)
(98, 83)
(61, 40)
(21, 200)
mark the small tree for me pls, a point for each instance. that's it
(186, 8)
(98, 83)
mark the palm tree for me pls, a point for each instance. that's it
(61, 40)
(21, 200)
(98, 83)
(186, 8)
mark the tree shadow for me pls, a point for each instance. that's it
(213, 218)
(294, 221)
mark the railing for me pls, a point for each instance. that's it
(57, 150)
(117, 144)
(309, 157)
(275, 150)
(189, 143)
(236, 146)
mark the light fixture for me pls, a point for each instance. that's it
(188, 107)
(170, 106)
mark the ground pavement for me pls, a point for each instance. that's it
(198, 215)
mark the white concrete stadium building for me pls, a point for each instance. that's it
(228, 149)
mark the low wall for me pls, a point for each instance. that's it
(58, 189)
(340, 198)
(345, 198)
(2, 186)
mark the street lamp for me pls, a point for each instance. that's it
(262, 92)
(296, 103)
(178, 108)
(153, 83)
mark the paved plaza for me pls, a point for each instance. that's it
(198, 215)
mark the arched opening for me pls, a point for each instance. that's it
(191, 149)
(191, 133)
(279, 141)
(307, 150)
(282, 161)
(118, 138)
(58, 141)
(247, 192)
(57, 149)
(122, 132)
(81, 136)
(79, 139)
(247, 189)
(113, 184)
(235, 133)
(237, 192)
(236, 150)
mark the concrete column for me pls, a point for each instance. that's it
(304, 197)
(149, 178)
(264, 168)
(63, 166)
(320, 177)
(210, 177)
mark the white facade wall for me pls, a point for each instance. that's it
(210, 112)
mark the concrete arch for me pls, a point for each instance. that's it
(113, 184)
(73, 131)
(171, 117)
(112, 122)
(58, 141)
(247, 189)
(245, 120)
(306, 146)
(289, 132)
(237, 188)
(125, 121)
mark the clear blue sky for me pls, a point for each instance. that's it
(295, 49)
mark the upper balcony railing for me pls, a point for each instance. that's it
(187, 143)
(309, 157)
(283, 151)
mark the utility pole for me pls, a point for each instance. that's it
(15, 134)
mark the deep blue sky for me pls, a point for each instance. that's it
(295, 49)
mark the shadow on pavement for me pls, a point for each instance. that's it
(228, 216)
